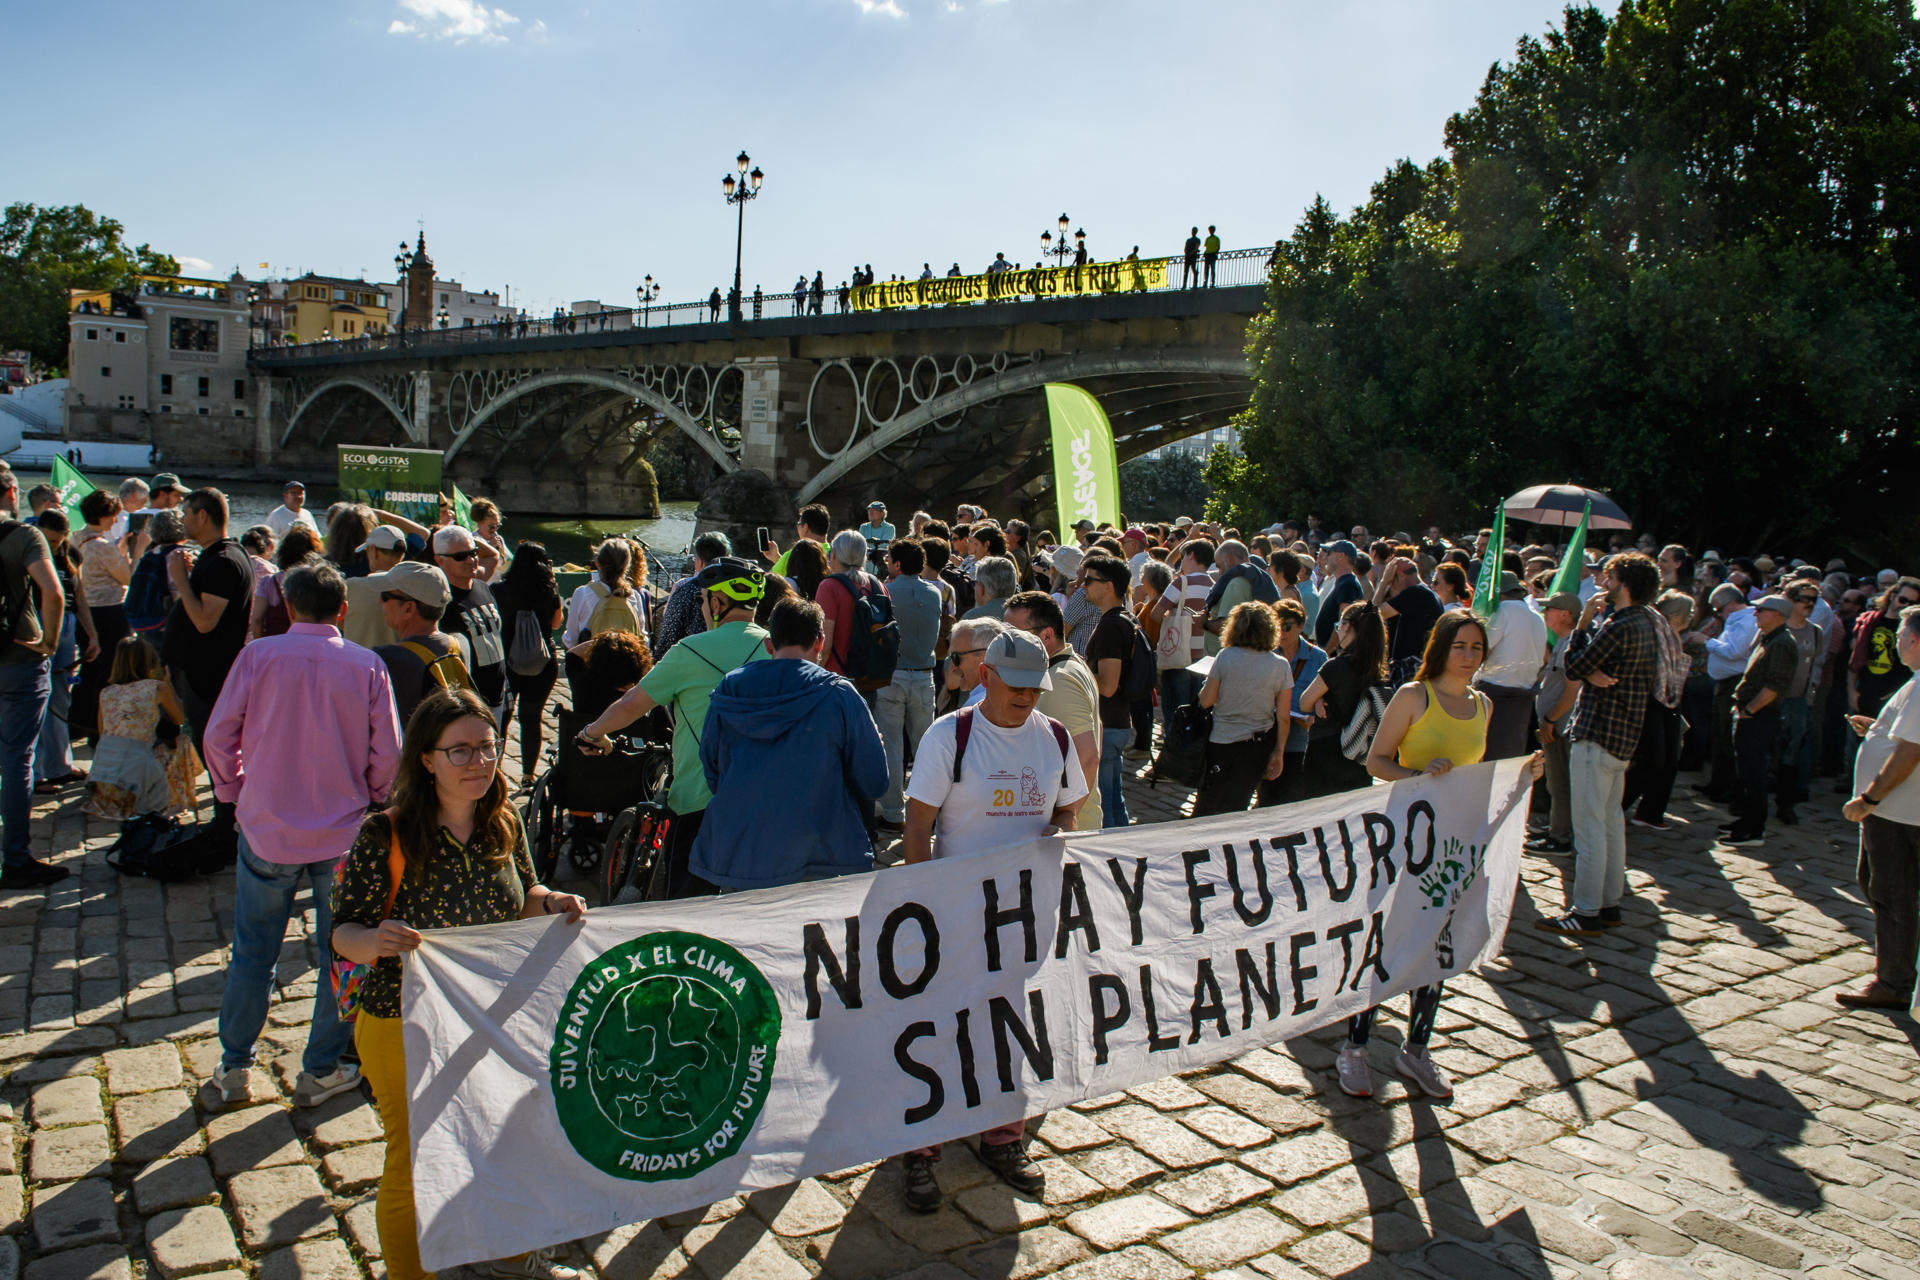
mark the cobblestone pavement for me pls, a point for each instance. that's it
(1680, 1098)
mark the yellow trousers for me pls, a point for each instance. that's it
(383, 1061)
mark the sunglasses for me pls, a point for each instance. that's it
(961, 653)
(458, 555)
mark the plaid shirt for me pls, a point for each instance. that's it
(1627, 648)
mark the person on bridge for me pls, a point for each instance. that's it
(1212, 248)
(800, 295)
(713, 305)
(817, 295)
(1191, 259)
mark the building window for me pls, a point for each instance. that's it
(203, 411)
(239, 388)
(238, 412)
(185, 334)
(166, 408)
(119, 335)
(443, 299)
(339, 295)
(106, 371)
(206, 387)
(93, 335)
(166, 384)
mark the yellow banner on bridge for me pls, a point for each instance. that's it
(1134, 276)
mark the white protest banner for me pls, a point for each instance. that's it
(565, 1080)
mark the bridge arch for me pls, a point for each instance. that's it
(595, 378)
(1020, 378)
(348, 383)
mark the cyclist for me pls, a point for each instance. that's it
(682, 680)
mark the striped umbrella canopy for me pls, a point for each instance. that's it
(1561, 504)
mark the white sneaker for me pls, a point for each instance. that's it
(1354, 1071)
(538, 1265)
(224, 1089)
(1418, 1066)
(311, 1090)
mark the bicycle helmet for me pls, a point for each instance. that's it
(733, 578)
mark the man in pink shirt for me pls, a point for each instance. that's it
(303, 740)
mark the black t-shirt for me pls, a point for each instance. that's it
(473, 614)
(1113, 638)
(1345, 590)
(407, 674)
(1345, 683)
(1416, 610)
(205, 657)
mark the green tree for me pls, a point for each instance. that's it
(44, 252)
(1163, 488)
(1671, 254)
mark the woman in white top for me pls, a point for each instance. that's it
(104, 574)
(614, 564)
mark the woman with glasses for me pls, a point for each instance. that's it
(464, 861)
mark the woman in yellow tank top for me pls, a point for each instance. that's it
(1434, 722)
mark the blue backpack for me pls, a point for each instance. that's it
(147, 601)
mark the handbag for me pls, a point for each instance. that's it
(347, 976)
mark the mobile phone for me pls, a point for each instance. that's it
(760, 536)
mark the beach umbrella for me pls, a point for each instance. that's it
(1561, 504)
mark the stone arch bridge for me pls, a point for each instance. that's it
(925, 407)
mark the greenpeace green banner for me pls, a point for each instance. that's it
(1568, 578)
(72, 486)
(403, 481)
(1086, 475)
(1486, 592)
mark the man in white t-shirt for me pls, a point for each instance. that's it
(1886, 804)
(984, 777)
(291, 512)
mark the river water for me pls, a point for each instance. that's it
(568, 541)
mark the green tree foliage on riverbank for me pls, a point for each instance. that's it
(1672, 254)
(46, 251)
(1163, 488)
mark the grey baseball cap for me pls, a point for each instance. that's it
(424, 582)
(1018, 660)
(1777, 604)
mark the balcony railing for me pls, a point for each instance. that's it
(1231, 268)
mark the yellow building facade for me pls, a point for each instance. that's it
(319, 307)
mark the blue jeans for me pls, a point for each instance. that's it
(263, 903)
(23, 702)
(1113, 750)
(53, 754)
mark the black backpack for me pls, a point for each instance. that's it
(873, 645)
(1141, 670)
(156, 847)
(147, 602)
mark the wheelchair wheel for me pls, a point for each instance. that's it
(539, 816)
(586, 840)
(633, 847)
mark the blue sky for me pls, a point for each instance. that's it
(568, 150)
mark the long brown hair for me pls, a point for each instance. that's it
(1433, 662)
(1368, 650)
(416, 802)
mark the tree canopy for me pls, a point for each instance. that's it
(44, 252)
(1671, 254)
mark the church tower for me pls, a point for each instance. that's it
(420, 287)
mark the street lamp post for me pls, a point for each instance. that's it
(1060, 253)
(402, 264)
(443, 317)
(738, 193)
(646, 293)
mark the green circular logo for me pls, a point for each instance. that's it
(663, 1056)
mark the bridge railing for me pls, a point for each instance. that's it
(1230, 269)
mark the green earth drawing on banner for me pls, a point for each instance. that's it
(663, 1056)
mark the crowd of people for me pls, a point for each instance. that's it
(954, 686)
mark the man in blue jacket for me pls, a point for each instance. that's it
(795, 763)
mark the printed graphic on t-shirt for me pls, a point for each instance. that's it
(1011, 795)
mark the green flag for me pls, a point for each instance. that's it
(72, 486)
(1568, 578)
(1486, 592)
(1086, 474)
(462, 509)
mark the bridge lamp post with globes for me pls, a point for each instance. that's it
(646, 293)
(1060, 252)
(738, 193)
(402, 265)
(443, 316)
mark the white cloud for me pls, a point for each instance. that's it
(891, 8)
(461, 21)
(194, 266)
